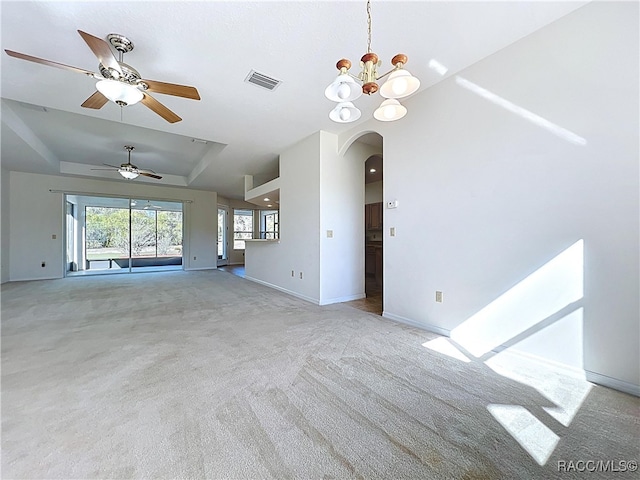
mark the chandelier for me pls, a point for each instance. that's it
(347, 87)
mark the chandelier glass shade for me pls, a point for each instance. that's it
(345, 112)
(400, 84)
(347, 87)
(343, 89)
(119, 92)
(390, 110)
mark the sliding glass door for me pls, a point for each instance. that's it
(123, 235)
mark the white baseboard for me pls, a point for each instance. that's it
(284, 290)
(348, 298)
(35, 279)
(565, 369)
(413, 323)
(592, 377)
(200, 268)
(614, 383)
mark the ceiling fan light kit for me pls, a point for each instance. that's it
(117, 81)
(119, 92)
(128, 173)
(347, 87)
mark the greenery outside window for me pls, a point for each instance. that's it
(242, 227)
(154, 233)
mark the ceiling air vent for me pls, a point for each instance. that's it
(262, 80)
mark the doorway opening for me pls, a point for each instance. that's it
(109, 235)
(374, 234)
(365, 150)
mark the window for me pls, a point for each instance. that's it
(242, 227)
(269, 224)
(154, 233)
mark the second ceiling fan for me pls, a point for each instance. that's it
(118, 81)
(130, 171)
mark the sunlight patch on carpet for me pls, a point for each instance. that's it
(534, 436)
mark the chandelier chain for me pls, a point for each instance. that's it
(368, 26)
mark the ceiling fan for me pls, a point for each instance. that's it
(118, 81)
(128, 170)
(151, 206)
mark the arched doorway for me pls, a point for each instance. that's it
(366, 148)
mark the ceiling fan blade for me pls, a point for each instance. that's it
(105, 169)
(149, 174)
(160, 109)
(102, 50)
(42, 61)
(173, 89)
(95, 101)
(112, 166)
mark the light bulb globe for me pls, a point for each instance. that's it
(343, 91)
(345, 112)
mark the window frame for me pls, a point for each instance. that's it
(248, 234)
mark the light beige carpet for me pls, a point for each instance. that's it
(207, 375)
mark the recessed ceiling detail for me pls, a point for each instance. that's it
(262, 80)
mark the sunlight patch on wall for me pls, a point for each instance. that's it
(545, 292)
(444, 346)
(522, 112)
(533, 435)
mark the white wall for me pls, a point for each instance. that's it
(4, 225)
(299, 246)
(488, 197)
(319, 191)
(37, 214)
(342, 212)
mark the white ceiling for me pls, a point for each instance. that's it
(213, 45)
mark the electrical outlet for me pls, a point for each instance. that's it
(293, 274)
(300, 275)
(392, 232)
(44, 264)
(54, 236)
(194, 258)
(438, 296)
(329, 233)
